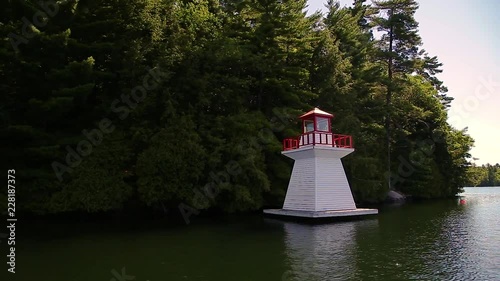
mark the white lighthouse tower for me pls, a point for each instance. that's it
(318, 186)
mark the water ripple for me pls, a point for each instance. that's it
(432, 241)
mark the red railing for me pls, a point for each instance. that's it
(290, 143)
(344, 141)
(318, 138)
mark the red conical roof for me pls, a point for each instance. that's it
(316, 111)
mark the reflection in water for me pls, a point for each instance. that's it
(433, 240)
(322, 252)
(441, 240)
(430, 241)
(473, 236)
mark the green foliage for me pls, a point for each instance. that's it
(224, 82)
(485, 175)
(172, 164)
(99, 183)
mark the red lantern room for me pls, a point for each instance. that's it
(316, 120)
(317, 130)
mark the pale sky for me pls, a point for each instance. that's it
(464, 35)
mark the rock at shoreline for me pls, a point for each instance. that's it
(395, 196)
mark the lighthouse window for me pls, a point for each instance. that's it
(322, 124)
(308, 126)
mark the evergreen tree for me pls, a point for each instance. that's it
(225, 83)
(398, 47)
(354, 97)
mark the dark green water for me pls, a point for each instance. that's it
(439, 240)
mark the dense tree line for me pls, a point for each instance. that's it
(122, 104)
(484, 175)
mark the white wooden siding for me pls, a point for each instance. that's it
(300, 194)
(332, 189)
(318, 181)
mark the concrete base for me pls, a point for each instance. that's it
(321, 214)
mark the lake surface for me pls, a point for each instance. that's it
(436, 240)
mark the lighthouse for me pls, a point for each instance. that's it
(318, 187)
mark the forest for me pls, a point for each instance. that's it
(484, 175)
(117, 105)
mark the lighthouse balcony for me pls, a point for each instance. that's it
(318, 138)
